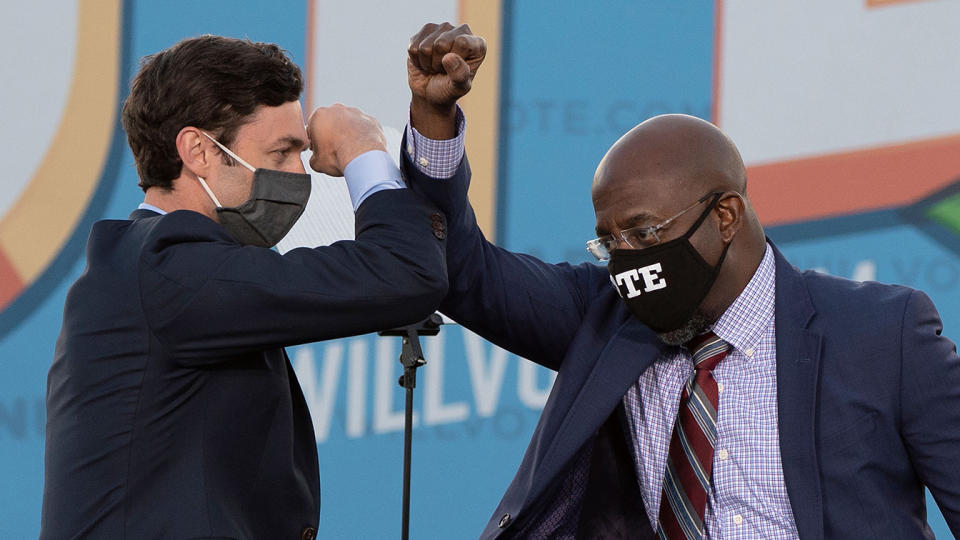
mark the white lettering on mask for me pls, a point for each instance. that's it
(651, 280)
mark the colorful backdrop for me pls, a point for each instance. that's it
(845, 113)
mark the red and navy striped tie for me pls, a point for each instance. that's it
(686, 482)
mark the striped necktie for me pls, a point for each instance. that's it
(686, 481)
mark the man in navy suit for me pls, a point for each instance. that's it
(705, 387)
(172, 408)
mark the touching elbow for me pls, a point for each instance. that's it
(430, 295)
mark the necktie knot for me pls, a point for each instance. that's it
(707, 350)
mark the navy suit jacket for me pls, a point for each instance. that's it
(172, 409)
(868, 391)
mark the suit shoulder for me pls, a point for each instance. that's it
(183, 246)
(111, 238)
(179, 227)
(827, 290)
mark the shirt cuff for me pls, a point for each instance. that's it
(369, 173)
(436, 159)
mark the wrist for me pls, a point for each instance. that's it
(369, 172)
(350, 153)
(433, 121)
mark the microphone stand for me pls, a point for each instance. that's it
(411, 357)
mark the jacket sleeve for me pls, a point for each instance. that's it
(930, 403)
(206, 297)
(518, 302)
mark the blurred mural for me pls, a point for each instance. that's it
(845, 113)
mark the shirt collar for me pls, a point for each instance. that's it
(743, 323)
(152, 208)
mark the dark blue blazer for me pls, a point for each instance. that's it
(172, 409)
(868, 390)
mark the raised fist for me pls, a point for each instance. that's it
(338, 134)
(441, 63)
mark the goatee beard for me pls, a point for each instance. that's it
(697, 324)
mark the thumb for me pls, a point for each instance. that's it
(458, 71)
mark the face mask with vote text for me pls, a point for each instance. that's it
(277, 199)
(663, 285)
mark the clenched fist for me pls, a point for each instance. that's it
(338, 134)
(441, 64)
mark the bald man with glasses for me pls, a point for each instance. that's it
(706, 387)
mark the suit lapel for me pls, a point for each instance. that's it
(625, 357)
(798, 372)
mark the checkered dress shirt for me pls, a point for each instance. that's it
(748, 497)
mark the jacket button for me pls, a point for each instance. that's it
(440, 235)
(504, 521)
(309, 533)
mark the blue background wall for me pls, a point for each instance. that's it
(573, 81)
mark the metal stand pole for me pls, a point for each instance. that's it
(411, 357)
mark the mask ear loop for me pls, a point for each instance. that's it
(206, 188)
(229, 153)
(703, 216)
(203, 182)
(723, 254)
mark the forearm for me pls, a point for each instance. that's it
(437, 122)
(209, 297)
(505, 296)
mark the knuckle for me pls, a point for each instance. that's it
(478, 44)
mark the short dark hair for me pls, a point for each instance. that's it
(211, 82)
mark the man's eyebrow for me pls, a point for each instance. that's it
(642, 218)
(292, 142)
(636, 219)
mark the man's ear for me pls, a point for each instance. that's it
(730, 209)
(194, 151)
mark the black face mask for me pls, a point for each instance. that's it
(663, 285)
(277, 199)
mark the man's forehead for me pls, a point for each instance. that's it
(650, 192)
(275, 125)
(635, 202)
(627, 211)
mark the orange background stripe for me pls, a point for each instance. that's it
(848, 182)
(11, 284)
(885, 3)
